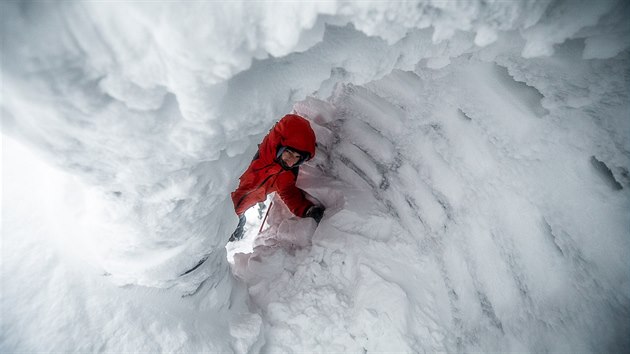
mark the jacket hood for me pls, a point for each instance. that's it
(297, 134)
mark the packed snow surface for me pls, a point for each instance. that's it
(472, 157)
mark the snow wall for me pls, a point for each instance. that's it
(473, 158)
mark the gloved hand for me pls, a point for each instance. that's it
(315, 212)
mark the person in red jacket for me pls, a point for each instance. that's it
(274, 168)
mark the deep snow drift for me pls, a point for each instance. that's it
(473, 160)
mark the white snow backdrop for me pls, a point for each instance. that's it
(473, 159)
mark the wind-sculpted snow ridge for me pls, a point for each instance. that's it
(473, 158)
(454, 221)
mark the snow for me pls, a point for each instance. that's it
(472, 158)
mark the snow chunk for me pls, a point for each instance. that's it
(485, 36)
(561, 22)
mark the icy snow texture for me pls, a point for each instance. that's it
(473, 160)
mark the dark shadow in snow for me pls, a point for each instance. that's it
(528, 95)
(463, 115)
(488, 310)
(552, 236)
(605, 173)
(625, 175)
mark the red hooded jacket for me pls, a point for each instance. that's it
(265, 175)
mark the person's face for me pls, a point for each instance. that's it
(290, 158)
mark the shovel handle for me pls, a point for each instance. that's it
(265, 219)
